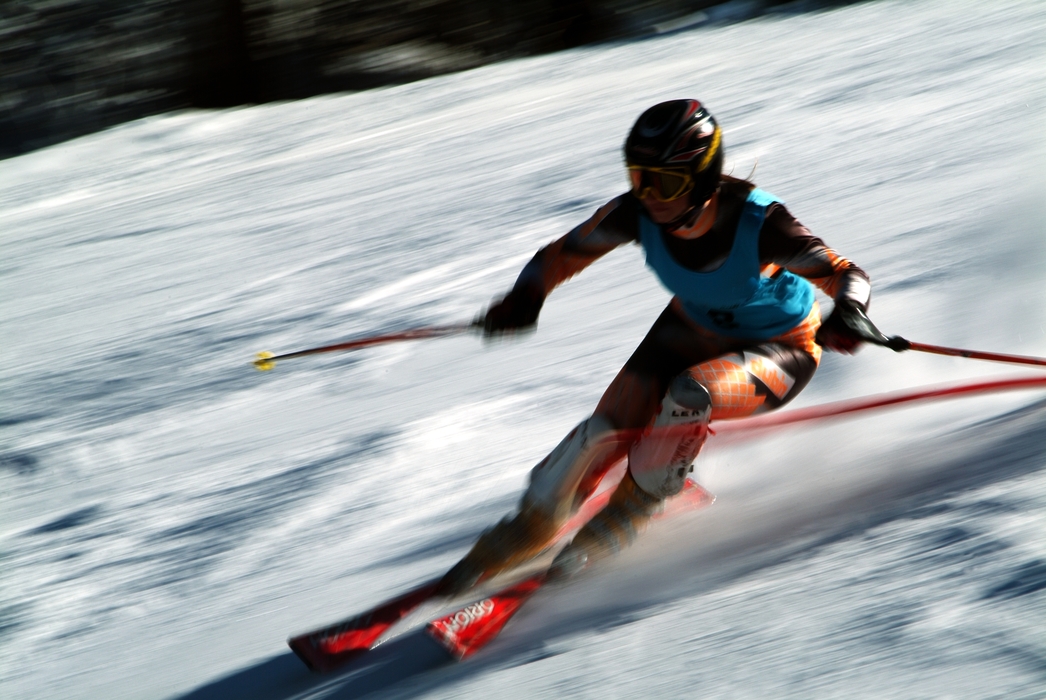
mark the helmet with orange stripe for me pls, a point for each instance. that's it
(675, 150)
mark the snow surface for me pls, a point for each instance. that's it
(170, 516)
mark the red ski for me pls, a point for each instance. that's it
(331, 647)
(464, 632)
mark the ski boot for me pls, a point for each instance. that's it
(511, 542)
(614, 528)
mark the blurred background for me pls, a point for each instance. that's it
(72, 67)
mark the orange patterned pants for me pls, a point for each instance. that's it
(743, 377)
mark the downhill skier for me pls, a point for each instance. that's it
(742, 335)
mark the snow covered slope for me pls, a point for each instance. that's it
(170, 516)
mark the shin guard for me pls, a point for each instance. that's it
(548, 502)
(659, 462)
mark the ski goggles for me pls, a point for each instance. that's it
(665, 184)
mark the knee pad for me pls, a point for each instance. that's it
(555, 480)
(660, 462)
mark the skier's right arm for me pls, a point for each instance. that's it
(611, 226)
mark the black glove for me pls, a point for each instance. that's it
(517, 311)
(847, 327)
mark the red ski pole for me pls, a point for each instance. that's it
(899, 344)
(266, 360)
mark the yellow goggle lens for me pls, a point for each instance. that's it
(664, 185)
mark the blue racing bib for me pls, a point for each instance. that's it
(735, 299)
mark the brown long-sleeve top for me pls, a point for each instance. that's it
(783, 243)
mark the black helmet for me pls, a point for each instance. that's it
(678, 136)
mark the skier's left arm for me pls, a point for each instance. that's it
(786, 243)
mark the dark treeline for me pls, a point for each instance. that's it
(70, 67)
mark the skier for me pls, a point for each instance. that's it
(742, 335)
